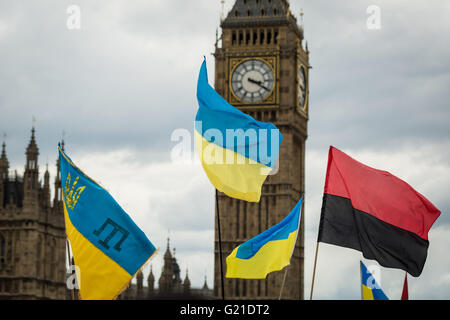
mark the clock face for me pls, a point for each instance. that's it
(301, 87)
(252, 81)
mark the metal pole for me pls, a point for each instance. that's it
(70, 262)
(220, 244)
(314, 271)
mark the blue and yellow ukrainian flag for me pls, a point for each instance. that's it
(236, 151)
(107, 246)
(268, 251)
(370, 290)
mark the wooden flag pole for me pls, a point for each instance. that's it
(314, 272)
(220, 244)
(284, 280)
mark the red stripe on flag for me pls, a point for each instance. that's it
(379, 194)
(405, 288)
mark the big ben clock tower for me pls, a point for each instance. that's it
(262, 67)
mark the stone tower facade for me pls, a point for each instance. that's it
(32, 232)
(261, 67)
(170, 280)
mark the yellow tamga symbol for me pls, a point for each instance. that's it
(72, 197)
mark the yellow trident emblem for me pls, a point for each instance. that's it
(71, 197)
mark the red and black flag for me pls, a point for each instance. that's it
(374, 212)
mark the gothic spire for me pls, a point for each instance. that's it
(32, 149)
(57, 201)
(4, 164)
(3, 150)
(186, 283)
(140, 280)
(31, 175)
(150, 282)
(46, 189)
(151, 277)
(205, 285)
(46, 174)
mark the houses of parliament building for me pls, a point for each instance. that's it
(32, 231)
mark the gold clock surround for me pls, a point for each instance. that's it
(272, 98)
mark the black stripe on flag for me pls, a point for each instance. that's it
(391, 246)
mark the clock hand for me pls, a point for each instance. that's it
(257, 83)
(254, 81)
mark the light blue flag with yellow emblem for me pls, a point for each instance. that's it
(267, 252)
(107, 246)
(370, 289)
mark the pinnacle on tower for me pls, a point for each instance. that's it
(205, 285)
(151, 277)
(32, 152)
(31, 175)
(167, 254)
(140, 280)
(4, 164)
(3, 156)
(186, 283)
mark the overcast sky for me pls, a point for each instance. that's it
(121, 84)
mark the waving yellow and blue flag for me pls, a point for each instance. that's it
(370, 289)
(107, 246)
(236, 151)
(267, 252)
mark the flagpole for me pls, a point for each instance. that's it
(360, 277)
(314, 271)
(70, 262)
(220, 244)
(282, 285)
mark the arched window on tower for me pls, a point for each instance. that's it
(233, 38)
(2, 251)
